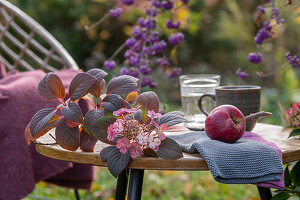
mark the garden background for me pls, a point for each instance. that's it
(219, 34)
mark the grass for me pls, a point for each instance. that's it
(164, 185)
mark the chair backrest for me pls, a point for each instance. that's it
(26, 45)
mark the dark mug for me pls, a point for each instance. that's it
(245, 97)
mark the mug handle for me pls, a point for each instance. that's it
(200, 102)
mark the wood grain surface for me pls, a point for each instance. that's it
(276, 134)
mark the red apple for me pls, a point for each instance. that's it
(225, 123)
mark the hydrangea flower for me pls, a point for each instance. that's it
(136, 150)
(115, 129)
(123, 144)
(293, 115)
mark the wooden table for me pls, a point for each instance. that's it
(290, 148)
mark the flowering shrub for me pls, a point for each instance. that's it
(269, 25)
(133, 125)
(145, 44)
(293, 118)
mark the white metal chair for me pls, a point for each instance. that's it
(26, 45)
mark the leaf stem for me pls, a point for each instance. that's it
(257, 115)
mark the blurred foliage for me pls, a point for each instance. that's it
(164, 185)
(218, 37)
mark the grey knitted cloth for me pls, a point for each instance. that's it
(245, 161)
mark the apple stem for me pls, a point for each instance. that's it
(257, 115)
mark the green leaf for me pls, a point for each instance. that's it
(169, 149)
(287, 177)
(297, 189)
(99, 129)
(51, 87)
(90, 118)
(295, 174)
(148, 101)
(73, 112)
(295, 132)
(80, 85)
(42, 121)
(121, 84)
(87, 142)
(67, 137)
(281, 196)
(116, 161)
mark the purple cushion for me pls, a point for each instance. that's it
(21, 166)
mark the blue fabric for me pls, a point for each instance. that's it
(242, 162)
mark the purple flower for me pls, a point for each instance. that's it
(262, 35)
(133, 72)
(176, 38)
(128, 2)
(145, 69)
(115, 12)
(162, 62)
(294, 61)
(137, 33)
(267, 1)
(242, 75)
(255, 58)
(275, 11)
(261, 9)
(130, 42)
(109, 64)
(185, 1)
(153, 37)
(158, 47)
(157, 3)
(133, 60)
(171, 25)
(176, 71)
(149, 24)
(124, 71)
(151, 12)
(168, 5)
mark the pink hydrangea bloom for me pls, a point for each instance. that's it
(153, 115)
(135, 150)
(142, 138)
(154, 141)
(121, 111)
(293, 115)
(123, 144)
(115, 129)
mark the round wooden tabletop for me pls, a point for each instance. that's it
(290, 148)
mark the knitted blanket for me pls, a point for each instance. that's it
(242, 162)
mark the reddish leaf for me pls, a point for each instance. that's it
(116, 161)
(99, 129)
(132, 97)
(95, 89)
(87, 142)
(73, 113)
(148, 101)
(80, 85)
(125, 104)
(41, 121)
(121, 84)
(171, 119)
(105, 152)
(99, 74)
(111, 103)
(55, 86)
(44, 90)
(67, 137)
(169, 149)
(90, 117)
(28, 136)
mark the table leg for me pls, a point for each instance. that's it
(135, 184)
(264, 193)
(122, 185)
